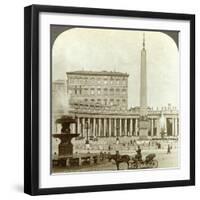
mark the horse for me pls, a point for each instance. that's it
(119, 159)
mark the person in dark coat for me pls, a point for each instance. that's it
(168, 149)
(139, 153)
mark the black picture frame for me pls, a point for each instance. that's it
(31, 98)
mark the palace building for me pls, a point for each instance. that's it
(102, 90)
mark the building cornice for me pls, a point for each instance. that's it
(99, 73)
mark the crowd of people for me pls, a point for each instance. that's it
(123, 144)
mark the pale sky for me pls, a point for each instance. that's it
(120, 50)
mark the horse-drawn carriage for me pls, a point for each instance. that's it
(135, 162)
(148, 162)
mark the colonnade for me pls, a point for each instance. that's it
(122, 126)
(107, 127)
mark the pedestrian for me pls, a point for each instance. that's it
(139, 154)
(168, 149)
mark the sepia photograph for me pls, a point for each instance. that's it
(109, 100)
(114, 99)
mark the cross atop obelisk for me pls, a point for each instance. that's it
(143, 41)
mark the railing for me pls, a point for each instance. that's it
(122, 112)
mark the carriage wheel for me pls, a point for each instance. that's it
(154, 163)
(140, 165)
(134, 165)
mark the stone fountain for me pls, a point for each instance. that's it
(65, 148)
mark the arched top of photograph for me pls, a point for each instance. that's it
(118, 50)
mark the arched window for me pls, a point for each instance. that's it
(117, 90)
(124, 91)
(105, 91)
(99, 81)
(111, 90)
(75, 90)
(86, 90)
(111, 102)
(92, 91)
(99, 91)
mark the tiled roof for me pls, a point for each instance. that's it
(98, 73)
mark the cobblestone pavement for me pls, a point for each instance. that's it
(164, 161)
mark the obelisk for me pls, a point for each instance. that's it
(143, 120)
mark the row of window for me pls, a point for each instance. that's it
(99, 91)
(106, 101)
(97, 81)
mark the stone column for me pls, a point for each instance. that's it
(158, 127)
(109, 127)
(152, 127)
(83, 127)
(175, 128)
(78, 125)
(89, 127)
(94, 126)
(115, 127)
(97, 127)
(136, 126)
(120, 127)
(104, 127)
(125, 127)
(131, 127)
(99, 131)
(166, 125)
